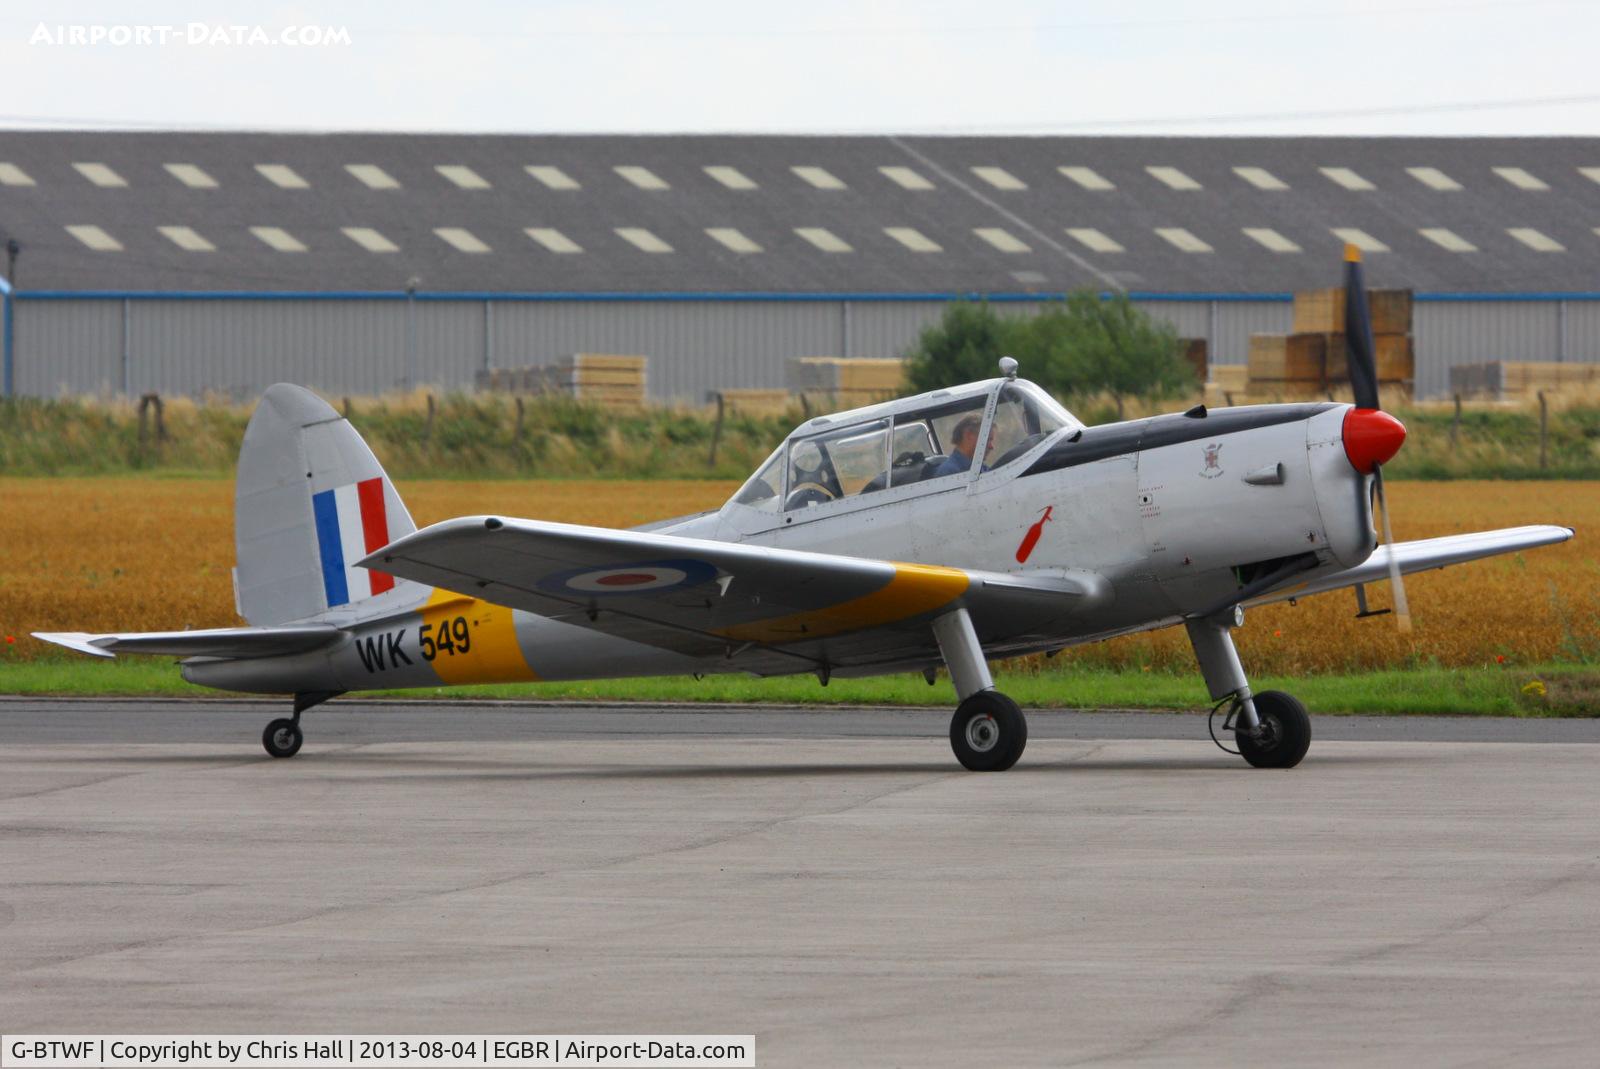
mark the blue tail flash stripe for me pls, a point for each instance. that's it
(331, 548)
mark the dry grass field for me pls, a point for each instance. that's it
(102, 554)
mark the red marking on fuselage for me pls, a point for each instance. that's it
(625, 579)
(1031, 539)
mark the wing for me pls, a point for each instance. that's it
(1424, 554)
(772, 610)
(237, 642)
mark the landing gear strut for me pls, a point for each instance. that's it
(988, 731)
(1271, 729)
(283, 737)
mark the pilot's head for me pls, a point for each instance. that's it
(964, 437)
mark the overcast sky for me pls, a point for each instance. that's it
(827, 66)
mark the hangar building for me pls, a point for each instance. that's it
(360, 263)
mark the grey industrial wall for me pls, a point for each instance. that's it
(237, 346)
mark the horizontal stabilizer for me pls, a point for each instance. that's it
(238, 642)
(1425, 554)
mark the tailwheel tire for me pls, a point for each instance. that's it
(282, 738)
(1285, 732)
(988, 732)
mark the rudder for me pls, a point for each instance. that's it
(310, 500)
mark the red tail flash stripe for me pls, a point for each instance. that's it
(374, 526)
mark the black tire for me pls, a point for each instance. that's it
(282, 738)
(1286, 732)
(988, 732)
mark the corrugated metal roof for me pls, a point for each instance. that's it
(1270, 214)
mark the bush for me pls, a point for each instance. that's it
(1077, 347)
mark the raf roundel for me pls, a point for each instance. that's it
(643, 577)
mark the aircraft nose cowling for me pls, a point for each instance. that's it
(1371, 437)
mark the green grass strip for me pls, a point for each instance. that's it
(1542, 690)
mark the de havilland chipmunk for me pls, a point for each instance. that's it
(871, 541)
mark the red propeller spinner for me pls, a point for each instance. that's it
(1371, 437)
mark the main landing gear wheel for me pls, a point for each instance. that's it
(282, 738)
(1285, 732)
(988, 732)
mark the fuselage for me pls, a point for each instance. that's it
(1172, 512)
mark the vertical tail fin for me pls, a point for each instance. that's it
(310, 501)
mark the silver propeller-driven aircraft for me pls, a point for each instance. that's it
(883, 539)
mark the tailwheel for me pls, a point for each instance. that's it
(1284, 735)
(988, 732)
(283, 737)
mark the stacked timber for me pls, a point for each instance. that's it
(845, 382)
(1521, 380)
(1312, 362)
(1196, 353)
(616, 382)
(756, 402)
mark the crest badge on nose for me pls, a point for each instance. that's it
(1212, 455)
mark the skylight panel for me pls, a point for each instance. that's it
(369, 239)
(553, 177)
(1182, 240)
(1434, 178)
(1521, 179)
(461, 239)
(1448, 240)
(912, 238)
(95, 238)
(277, 238)
(1088, 178)
(818, 177)
(12, 175)
(1359, 238)
(642, 239)
(186, 239)
(282, 175)
(463, 176)
(732, 239)
(553, 240)
(372, 176)
(731, 177)
(1094, 239)
(191, 175)
(1000, 178)
(1261, 178)
(642, 177)
(1001, 239)
(1172, 178)
(906, 178)
(1536, 240)
(1347, 178)
(1270, 239)
(823, 238)
(101, 175)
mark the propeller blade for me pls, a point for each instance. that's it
(1360, 355)
(1402, 611)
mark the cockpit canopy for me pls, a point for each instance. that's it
(932, 438)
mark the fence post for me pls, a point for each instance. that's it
(1544, 430)
(427, 434)
(1455, 424)
(517, 431)
(716, 432)
(146, 403)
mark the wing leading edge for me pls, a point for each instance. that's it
(1425, 554)
(775, 610)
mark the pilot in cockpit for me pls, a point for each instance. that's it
(964, 443)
